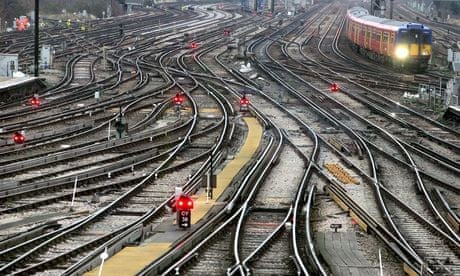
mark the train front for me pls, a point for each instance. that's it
(413, 47)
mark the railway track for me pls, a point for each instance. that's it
(265, 224)
(452, 254)
(60, 251)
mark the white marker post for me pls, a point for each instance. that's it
(74, 192)
(104, 255)
(108, 132)
(208, 186)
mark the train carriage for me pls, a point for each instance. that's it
(403, 44)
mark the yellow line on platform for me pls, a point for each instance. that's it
(209, 110)
(130, 260)
(224, 178)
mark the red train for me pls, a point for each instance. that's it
(402, 44)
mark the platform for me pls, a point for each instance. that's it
(11, 83)
(341, 253)
(132, 259)
(15, 88)
(452, 113)
(129, 260)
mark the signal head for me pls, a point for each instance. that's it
(334, 87)
(35, 101)
(178, 99)
(244, 100)
(19, 138)
(184, 202)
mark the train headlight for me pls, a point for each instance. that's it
(425, 53)
(401, 52)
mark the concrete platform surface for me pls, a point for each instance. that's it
(6, 83)
(341, 252)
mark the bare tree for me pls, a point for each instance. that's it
(10, 9)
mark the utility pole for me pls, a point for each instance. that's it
(37, 24)
(109, 8)
(378, 8)
(391, 9)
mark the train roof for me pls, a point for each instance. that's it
(362, 15)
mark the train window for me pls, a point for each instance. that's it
(403, 37)
(411, 36)
(426, 38)
(385, 37)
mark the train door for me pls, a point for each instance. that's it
(415, 42)
(349, 29)
(426, 42)
(365, 36)
(369, 38)
(357, 32)
(385, 43)
(391, 43)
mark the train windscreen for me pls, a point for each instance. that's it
(426, 37)
(414, 36)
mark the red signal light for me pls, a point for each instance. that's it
(334, 87)
(19, 138)
(35, 101)
(244, 101)
(178, 99)
(193, 45)
(184, 202)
